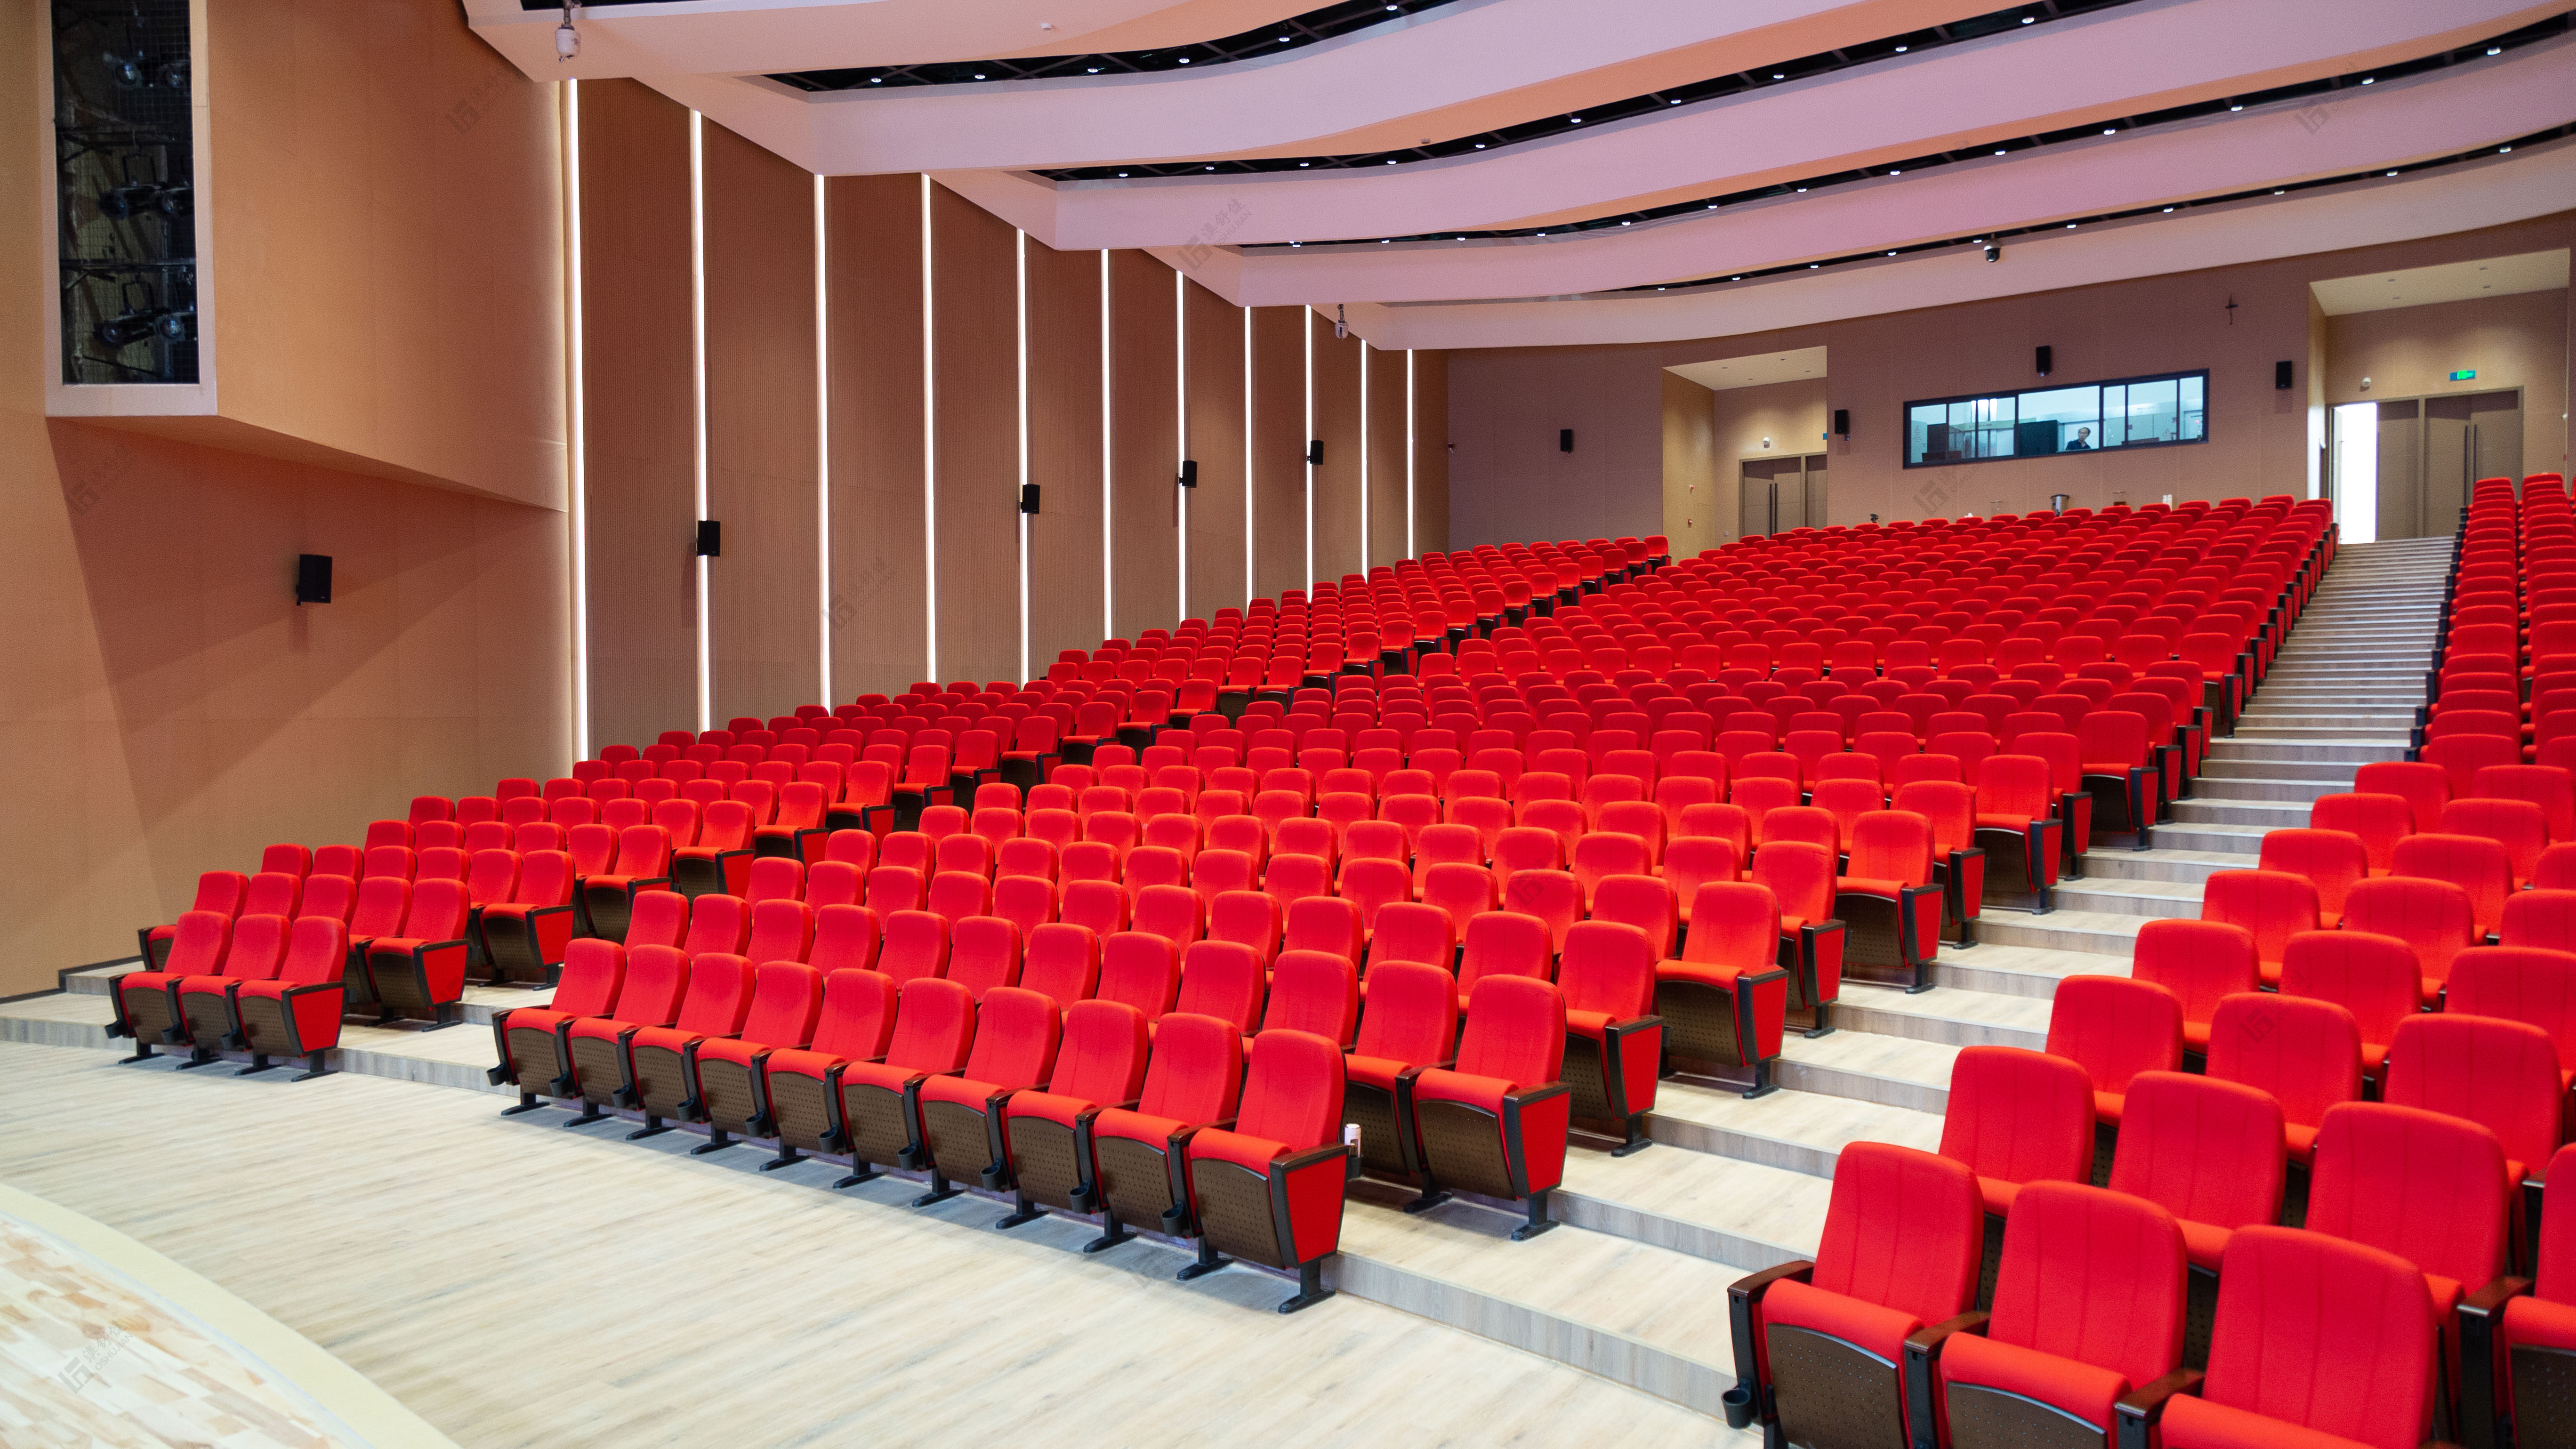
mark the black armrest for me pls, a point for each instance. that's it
(1922, 1356)
(1741, 1296)
(2137, 1412)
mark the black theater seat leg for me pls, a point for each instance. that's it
(1026, 1212)
(258, 1063)
(717, 1141)
(1432, 1196)
(787, 1157)
(1209, 1261)
(312, 1068)
(941, 1190)
(864, 1174)
(1539, 1221)
(197, 1058)
(1637, 1141)
(528, 1102)
(1112, 1233)
(143, 1052)
(1310, 1288)
(589, 1113)
(653, 1127)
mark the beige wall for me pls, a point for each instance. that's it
(171, 709)
(2519, 341)
(1507, 403)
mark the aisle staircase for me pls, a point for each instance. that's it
(1634, 1290)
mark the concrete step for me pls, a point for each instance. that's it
(2257, 747)
(2152, 899)
(2382, 737)
(2259, 815)
(2243, 842)
(1742, 1214)
(1796, 1131)
(2271, 720)
(2090, 932)
(2208, 788)
(2164, 864)
(99, 980)
(1857, 1062)
(2214, 770)
(1947, 1018)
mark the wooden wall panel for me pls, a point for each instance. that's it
(1386, 457)
(1144, 444)
(872, 246)
(1216, 425)
(1278, 449)
(765, 612)
(1431, 452)
(639, 412)
(1337, 422)
(1067, 608)
(974, 289)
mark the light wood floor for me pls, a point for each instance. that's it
(516, 1283)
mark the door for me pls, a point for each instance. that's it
(2467, 437)
(1761, 495)
(1814, 489)
(1780, 494)
(2401, 470)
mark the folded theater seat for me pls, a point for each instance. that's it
(878, 1121)
(1820, 1346)
(1495, 1123)
(1017, 1036)
(657, 1060)
(1267, 1187)
(1193, 1080)
(657, 978)
(1886, 899)
(147, 1002)
(801, 1088)
(534, 1043)
(219, 892)
(1724, 1003)
(420, 973)
(1613, 1040)
(725, 1072)
(295, 1012)
(205, 1003)
(1046, 1135)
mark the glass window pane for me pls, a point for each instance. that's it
(2115, 410)
(2195, 414)
(2059, 420)
(1920, 421)
(1994, 427)
(2153, 413)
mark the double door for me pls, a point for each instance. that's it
(2433, 449)
(1782, 493)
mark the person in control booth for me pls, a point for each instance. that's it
(2082, 435)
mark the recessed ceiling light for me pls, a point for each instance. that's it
(1778, 75)
(2070, 226)
(1462, 238)
(1185, 60)
(1999, 150)
(1900, 50)
(1735, 279)
(1390, 161)
(2168, 208)
(1712, 206)
(1542, 233)
(2392, 173)
(1895, 171)
(1811, 266)
(1891, 254)
(2027, 19)
(1659, 289)
(1304, 164)
(2277, 193)
(2240, 105)
(1283, 40)
(2500, 150)
(979, 75)
(2370, 80)
(1122, 173)
(1382, 241)
(1296, 244)
(1627, 223)
(2110, 130)
(1480, 145)
(1802, 191)
(1669, 103)
(1578, 120)
(2495, 50)
(876, 80)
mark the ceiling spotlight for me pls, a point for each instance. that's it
(1296, 244)
(1659, 289)
(1542, 233)
(1994, 254)
(2370, 80)
(2070, 226)
(567, 39)
(2238, 106)
(1211, 168)
(1712, 206)
(1480, 145)
(1735, 279)
(1669, 103)
(1578, 120)
(2277, 193)
(2110, 130)
(2392, 173)
(1382, 241)
(1999, 150)
(1390, 161)
(2500, 150)
(2168, 208)
(979, 75)
(1462, 238)
(1185, 60)
(1779, 75)
(1627, 223)
(1302, 165)
(1893, 171)
(1811, 266)
(1891, 254)
(1900, 50)
(2495, 50)
(1122, 173)
(878, 80)
(1283, 40)
(2027, 19)
(1095, 70)
(1802, 191)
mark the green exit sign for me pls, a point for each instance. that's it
(2465, 374)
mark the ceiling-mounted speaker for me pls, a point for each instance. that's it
(1842, 422)
(2281, 375)
(313, 578)
(2045, 361)
(710, 538)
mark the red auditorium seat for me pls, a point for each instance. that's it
(877, 1116)
(2017, 1117)
(2271, 905)
(642, 863)
(1820, 1346)
(801, 1087)
(2304, 1052)
(219, 893)
(1885, 898)
(204, 1004)
(2201, 963)
(1268, 1187)
(1613, 1043)
(2317, 1344)
(1317, 992)
(1724, 1002)
(2333, 861)
(2515, 1388)
(2436, 919)
(2088, 1305)
(420, 973)
(656, 979)
(534, 1044)
(1192, 1081)
(1017, 1034)
(1047, 1134)
(1494, 1122)
(1410, 1025)
(1141, 970)
(2115, 1028)
(2501, 1074)
(658, 1060)
(2374, 977)
(2210, 1152)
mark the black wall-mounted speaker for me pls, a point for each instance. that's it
(1842, 422)
(313, 578)
(1565, 440)
(1314, 452)
(1189, 472)
(1029, 498)
(2045, 361)
(2281, 375)
(710, 538)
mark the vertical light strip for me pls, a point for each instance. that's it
(698, 388)
(1181, 435)
(1410, 550)
(1022, 242)
(822, 444)
(929, 457)
(1365, 442)
(576, 480)
(1108, 549)
(1308, 321)
(1247, 458)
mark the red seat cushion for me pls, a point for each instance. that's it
(1703, 973)
(1155, 1132)
(2540, 1323)
(959, 1091)
(1594, 1024)
(1378, 1072)
(1440, 1085)
(604, 1028)
(2191, 1423)
(1868, 1326)
(803, 1063)
(877, 1074)
(2081, 1389)
(668, 1038)
(1998, 1194)
(1254, 1153)
(727, 1049)
(2204, 1243)
(1049, 1106)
